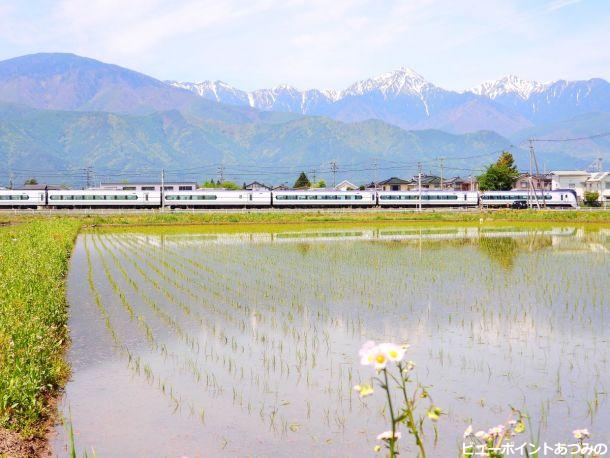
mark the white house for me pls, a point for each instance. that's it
(346, 186)
(599, 182)
(570, 179)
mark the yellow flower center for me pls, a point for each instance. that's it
(380, 358)
(393, 354)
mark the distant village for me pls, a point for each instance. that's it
(580, 181)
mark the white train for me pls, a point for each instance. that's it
(523, 199)
(281, 199)
(428, 198)
(324, 198)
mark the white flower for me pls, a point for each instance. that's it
(366, 353)
(468, 432)
(393, 352)
(496, 431)
(387, 435)
(580, 433)
(481, 435)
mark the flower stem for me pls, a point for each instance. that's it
(392, 441)
(409, 406)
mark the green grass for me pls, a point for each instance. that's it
(339, 216)
(34, 261)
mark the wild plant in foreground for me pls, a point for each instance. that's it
(394, 374)
(491, 443)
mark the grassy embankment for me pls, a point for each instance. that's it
(327, 216)
(33, 315)
(34, 258)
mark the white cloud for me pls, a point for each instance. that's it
(308, 43)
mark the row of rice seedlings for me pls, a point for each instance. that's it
(231, 366)
(239, 399)
(134, 362)
(243, 327)
(273, 361)
(154, 306)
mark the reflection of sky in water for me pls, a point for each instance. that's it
(253, 338)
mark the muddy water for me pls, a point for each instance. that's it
(246, 344)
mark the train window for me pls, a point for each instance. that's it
(184, 188)
(15, 197)
(148, 188)
(129, 188)
(132, 197)
(207, 197)
(358, 197)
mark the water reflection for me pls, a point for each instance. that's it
(246, 344)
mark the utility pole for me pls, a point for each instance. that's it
(532, 187)
(10, 180)
(441, 159)
(333, 168)
(419, 184)
(313, 174)
(221, 173)
(88, 172)
(162, 188)
(375, 166)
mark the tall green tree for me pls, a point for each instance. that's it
(302, 181)
(500, 176)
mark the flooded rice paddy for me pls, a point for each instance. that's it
(246, 344)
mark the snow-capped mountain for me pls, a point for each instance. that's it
(405, 98)
(391, 84)
(510, 84)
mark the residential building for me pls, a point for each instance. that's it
(570, 179)
(543, 181)
(151, 186)
(282, 187)
(346, 186)
(599, 182)
(256, 186)
(393, 184)
(428, 183)
(40, 187)
(460, 184)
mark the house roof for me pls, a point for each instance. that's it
(598, 176)
(427, 179)
(569, 172)
(346, 183)
(393, 180)
(259, 184)
(39, 187)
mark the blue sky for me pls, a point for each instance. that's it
(252, 44)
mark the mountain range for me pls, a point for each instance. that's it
(404, 98)
(62, 112)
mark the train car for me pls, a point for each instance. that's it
(523, 199)
(323, 198)
(216, 198)
(16, 198)
(102, 198)
(428, 198)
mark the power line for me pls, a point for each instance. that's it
(573, 139)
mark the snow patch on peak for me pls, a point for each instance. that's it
(391, 84)
(510, 84)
